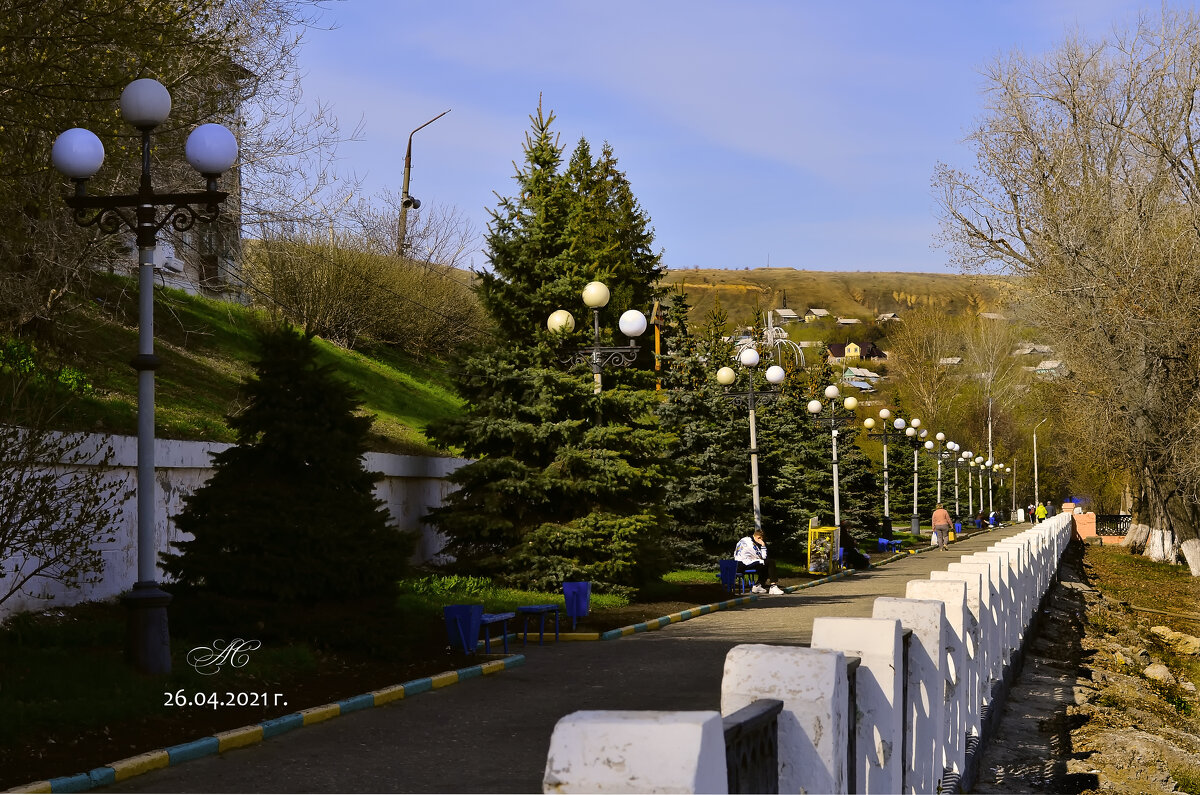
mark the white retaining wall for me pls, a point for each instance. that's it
(914, 713)
(410, 486)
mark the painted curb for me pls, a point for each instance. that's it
(256, 733)
(683, 615)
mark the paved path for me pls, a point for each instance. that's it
(492, 734)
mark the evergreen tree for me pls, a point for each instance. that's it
(707, 495)
(290, 512)
(566, 483)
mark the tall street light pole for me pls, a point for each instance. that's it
(210, 149)
(814, 408)
(726, 376)
(885, 433)
(407, 201)
(911, 432)
(1036, 500)
(632, 324)
(958, 463)
(970, 462)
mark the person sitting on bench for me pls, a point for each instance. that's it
(751, 557)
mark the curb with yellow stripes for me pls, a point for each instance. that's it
(251, 735)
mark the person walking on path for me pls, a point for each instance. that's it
(941, 526)
(751, 557)
(1041, 512)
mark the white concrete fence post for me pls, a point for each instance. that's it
(973, 662)
(879, 730)
(953, 595)
(644, 751)
(812, 685)
(924, 688)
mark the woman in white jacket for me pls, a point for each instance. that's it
(751, 557)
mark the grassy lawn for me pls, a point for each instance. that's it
(207, 349)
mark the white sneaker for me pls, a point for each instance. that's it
(758, 589)
(775, 590)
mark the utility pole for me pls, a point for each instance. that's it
(407, 201)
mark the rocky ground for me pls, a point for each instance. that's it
(1106, 700)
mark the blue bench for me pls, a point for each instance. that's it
(494, 618)
(540, 611)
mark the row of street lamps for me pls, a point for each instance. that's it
(633, 324)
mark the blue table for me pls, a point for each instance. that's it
(540, 611)
(495, 618)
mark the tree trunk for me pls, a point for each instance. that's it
(1165, 521)
(1135, 539)
(1191, 553)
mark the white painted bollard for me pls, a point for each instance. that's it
(814, 722)
(924, 688)
(974, 673)
(628, 751)
(953, 595)
(879, 734)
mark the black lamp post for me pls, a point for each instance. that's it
(211, 149)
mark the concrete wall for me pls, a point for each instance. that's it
(921, 708)
(410, 486)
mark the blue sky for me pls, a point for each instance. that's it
(803, 134)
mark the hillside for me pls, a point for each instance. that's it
(207, 349)
(846, 293)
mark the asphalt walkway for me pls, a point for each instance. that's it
(492, 734)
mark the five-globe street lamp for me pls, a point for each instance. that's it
(726, 377)
(886, 432)
(211, 149)
(632, 324)
(832, 393)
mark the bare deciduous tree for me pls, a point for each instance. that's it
(919, 352)
(57, 498)
(1087, 184)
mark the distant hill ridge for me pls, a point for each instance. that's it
(861, 294)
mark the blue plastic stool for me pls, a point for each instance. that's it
(730, 578)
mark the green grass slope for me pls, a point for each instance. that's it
(844, 293)
(207, 350)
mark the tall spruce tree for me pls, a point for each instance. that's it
(566, 483)
(290, 512)
(707, 495)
